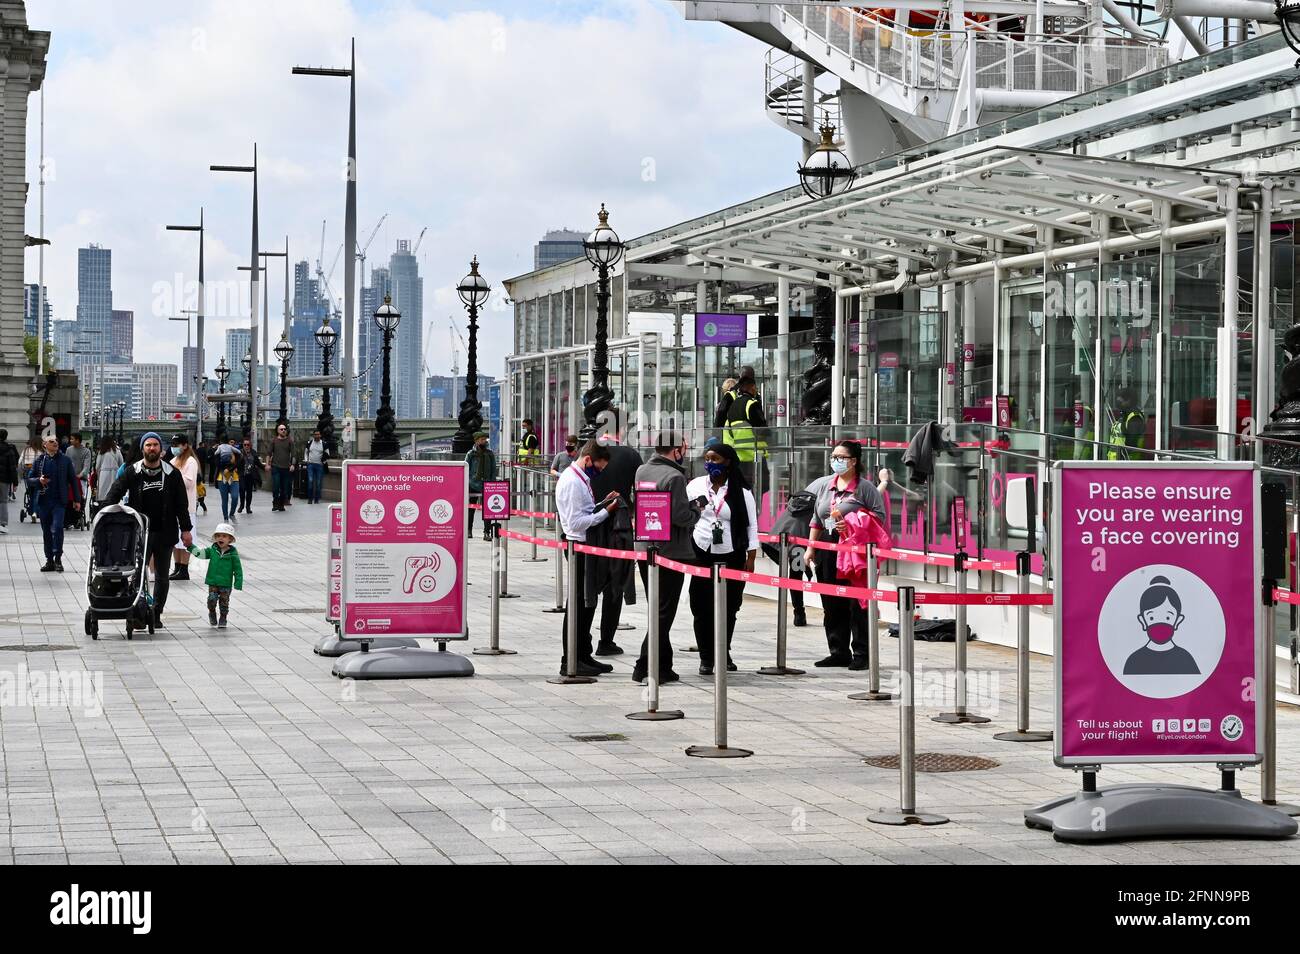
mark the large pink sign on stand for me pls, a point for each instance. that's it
(404, 525)
(1158, 647)
(334, 566)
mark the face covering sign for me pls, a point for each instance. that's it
(1157, 612)
(404, 525)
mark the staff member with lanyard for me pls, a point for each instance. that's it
(727, 532)
(578, 511)
(844, 490)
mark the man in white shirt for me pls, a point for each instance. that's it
(578, 510)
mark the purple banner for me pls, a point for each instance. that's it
(654, 516)
(720, 329)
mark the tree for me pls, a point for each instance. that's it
(29, 347)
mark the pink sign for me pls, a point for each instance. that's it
(404, 525)
(968, 353)
(1004, 410)
(654, 516)
(959, 523)
(1077, 415)
(1157, 627)
(496, 500)
(334, 566)
(950, 370)
(889, 359)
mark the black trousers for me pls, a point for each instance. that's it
(670, 592)
(611, 611)
(701, 595)
(246, 491)
(586, 614)
(845, 619)
(162, 567)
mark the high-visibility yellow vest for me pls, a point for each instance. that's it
(1119, 435)
(738, 432)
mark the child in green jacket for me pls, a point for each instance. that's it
(224, 572)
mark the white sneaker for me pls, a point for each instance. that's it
(3, 529)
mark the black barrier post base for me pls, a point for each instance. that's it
(554, 609)
(959, 718)
(489, 651)
(894, 816)
(571, 680)
(1031, 735)
(624, 626)
(870, 695)
(780, 671)
(658, 715)
(718, 752)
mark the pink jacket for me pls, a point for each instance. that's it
(861, 527)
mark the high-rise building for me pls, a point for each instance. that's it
(153, 388)
(31, 296)
(121, 338)
(117, 381)
(370, 340)
(309, 311)
(190, 371)
(556, 246)
(443, 394)
(64, 335)
(408, 345)
(95, 290)
(237, 342)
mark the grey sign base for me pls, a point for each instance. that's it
(332, 645)
(658, 715)
(489, 651)
(960, 718)
(718, 752)
(870, 695)
(1158, 811)
(780, 671)
(1031, 735)
(895, 816)
(402, 662)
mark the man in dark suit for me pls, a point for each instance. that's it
(619, 476)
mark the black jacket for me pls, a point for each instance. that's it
(619, 474)
(160, 496)
(8, 463)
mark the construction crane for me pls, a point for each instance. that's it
(362, 249)
(419, 240)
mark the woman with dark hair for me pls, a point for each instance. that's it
(727, 532)
(841, 492)
(1160, 613)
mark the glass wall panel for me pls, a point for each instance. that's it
(1070, 322)
(1195, 302)
(1130, 327)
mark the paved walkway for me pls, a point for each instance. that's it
(217, 747)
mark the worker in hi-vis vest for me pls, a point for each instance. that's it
(1128, 426)
(745, 423)
(530, 448)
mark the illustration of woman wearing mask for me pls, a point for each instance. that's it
(1160, 613)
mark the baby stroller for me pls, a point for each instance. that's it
(77, 519)
(117, 581)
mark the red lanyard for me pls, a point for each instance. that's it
(585, 480)
(721, 501)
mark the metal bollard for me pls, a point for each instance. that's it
(532, 506)
(1022, 732)
(570, 675)
(1268, 770)
(872, 693)
(559, 576)
(782, 601)
(504, 588)
(720, 749)
(960, 713)
(493, 647)
(906, 813)
(652, 711)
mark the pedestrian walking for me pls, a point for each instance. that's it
(82, 459)
(250, 475)
(843, 491)
(157, 490)
(664, 471)
(225, 572)
(187, 462)
(227, 461)
(726, 532)
(280, 461)
(54, 485)
(482, 466)
(25, 462)
(578, 511)
(107, 462)
(315, 456)
(8, 477)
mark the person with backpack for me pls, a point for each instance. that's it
(53, 481)
(226, 464)
(8, 476)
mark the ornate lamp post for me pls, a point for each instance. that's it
(473, 290)
(384, 445)
(603, 249)
(826, 172)
(223, 373)
(121, 420)
(245, 416)
(283, 351)
(325, 337)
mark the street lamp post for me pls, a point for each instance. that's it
(222, 373)
(202, 362)
(384, 444)
(365, 400)
(325, 337)
(254, 277)
(284, 351)
(603, 249)
(473, 290)
(244, 420)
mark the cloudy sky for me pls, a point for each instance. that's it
(489, 122)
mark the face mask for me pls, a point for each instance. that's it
(591, 472)
(715, 469)
(571, 450)
(176, 452)
(1160, 632)
(839, 465)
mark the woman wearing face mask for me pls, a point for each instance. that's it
(727, 532)
(187, 462)
(1160, 613)
(844, 490)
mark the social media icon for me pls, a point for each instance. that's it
(1157, 725)
(1202, 725)
(1189, 725)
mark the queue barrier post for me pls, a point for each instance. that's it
(559, 575)
(719, 749)
(960, 713)
(493, 648)
(570, 674)
(782, 601)
(872, 693)
(906, 813)
(652, 711)
(532, 507)
(1022, 732)
(504, 588)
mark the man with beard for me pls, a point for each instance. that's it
(158, 491)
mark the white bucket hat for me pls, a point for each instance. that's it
(225, 528)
